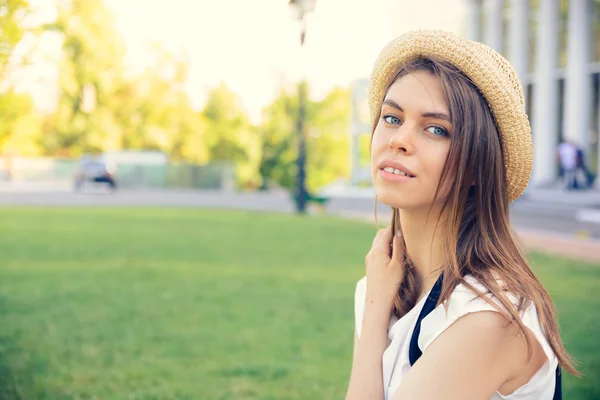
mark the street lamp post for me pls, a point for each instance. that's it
(299, 9)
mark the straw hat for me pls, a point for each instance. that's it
(490, 72)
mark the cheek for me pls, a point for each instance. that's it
(435, 165)
(378, 144)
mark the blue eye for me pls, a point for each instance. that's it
(438, 130)
(390, 119)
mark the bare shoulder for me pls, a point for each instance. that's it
(486, 335)
(480, 353)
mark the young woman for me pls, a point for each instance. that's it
(449, 308)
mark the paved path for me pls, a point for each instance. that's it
(561, 245)
(278, 201)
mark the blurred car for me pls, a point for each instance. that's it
(95, 171)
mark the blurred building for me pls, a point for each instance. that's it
(554, 45)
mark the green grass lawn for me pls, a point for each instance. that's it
(196, 304)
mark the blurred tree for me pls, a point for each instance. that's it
(328, 141)
(156, 111)
(90, 74)
(12, 15)
(230, 136)
(278, 136)
(19, 125)
(100, 107)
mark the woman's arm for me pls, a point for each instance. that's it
(366, 379)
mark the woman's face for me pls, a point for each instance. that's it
(412, 137)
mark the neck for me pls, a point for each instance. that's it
(424, 243)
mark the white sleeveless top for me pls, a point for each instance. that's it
(462, 301)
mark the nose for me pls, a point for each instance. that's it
(401, 141)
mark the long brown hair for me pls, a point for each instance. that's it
(479, 241)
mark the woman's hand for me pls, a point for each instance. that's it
(384, 272)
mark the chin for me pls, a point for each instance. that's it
(393, 197)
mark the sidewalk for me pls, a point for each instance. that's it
(561, 245)
(577, 198)
(582, 205)
(42, 186)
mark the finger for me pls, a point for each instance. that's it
(398, 248)
(387, 235)
(377, 236)
(384, 240)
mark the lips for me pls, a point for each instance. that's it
(396, 168)
(396, 172)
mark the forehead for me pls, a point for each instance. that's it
(421, 90)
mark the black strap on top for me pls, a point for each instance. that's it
(430, 303)
(558, 385)
(414, 351)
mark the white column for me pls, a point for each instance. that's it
(473, 18)
(578, 83)
(494, 11)
(545, 102)
(519, 38)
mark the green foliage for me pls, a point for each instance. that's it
(328, 145)
(157, 111)
(101, 107)
(19, 124)
(279, 138)
(12, 15)
(90, 71)
(150, 110)
(327, 129)
(143, 303)
(230, 136)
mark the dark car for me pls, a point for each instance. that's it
(96, 171)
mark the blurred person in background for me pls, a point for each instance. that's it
(449, 307)
(581, 166)
(567, 157)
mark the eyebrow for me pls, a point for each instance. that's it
(441, 116)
